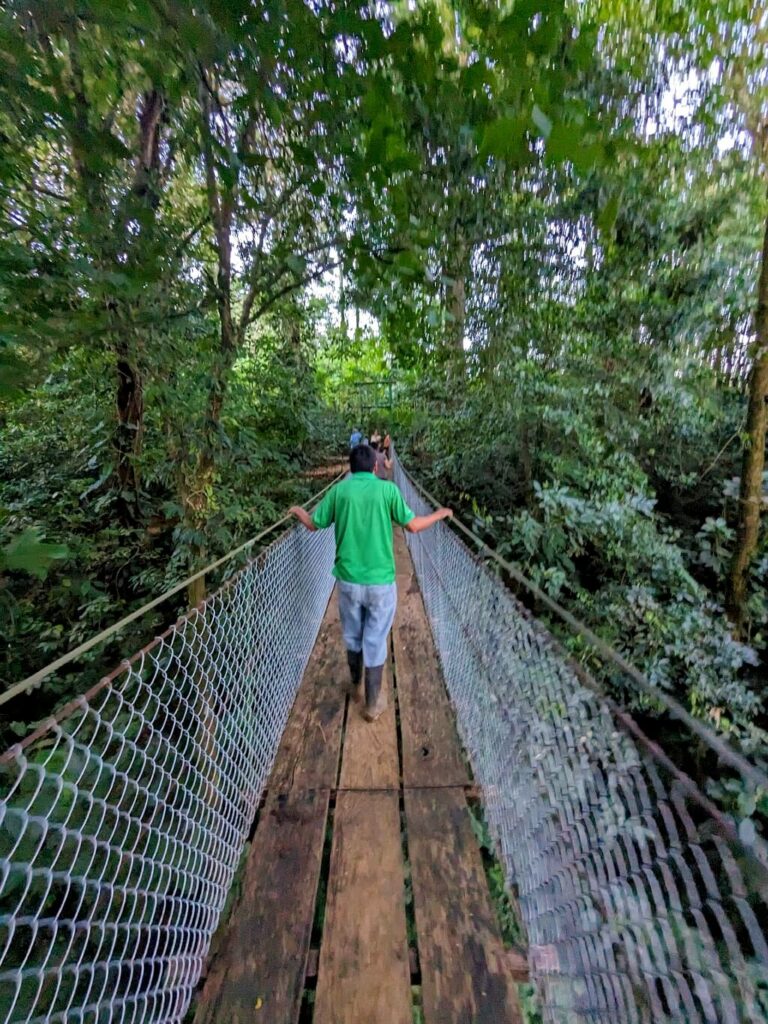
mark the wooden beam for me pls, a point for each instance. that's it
(263, 962)
(370, 759)
(432, 753)
(464, 970)
(364, 970)
(308, 756)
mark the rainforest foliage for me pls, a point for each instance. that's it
(543, 221)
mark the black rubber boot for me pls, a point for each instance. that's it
(355, 662)
(375, 698)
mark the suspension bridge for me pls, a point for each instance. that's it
(226, 752)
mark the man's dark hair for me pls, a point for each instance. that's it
(362, 459)
(375, 445)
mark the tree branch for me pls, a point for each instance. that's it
(194, 230)
(292, 286)
(271, 281)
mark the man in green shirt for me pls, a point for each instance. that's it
(362, 509)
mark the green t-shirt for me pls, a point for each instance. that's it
(362, 509)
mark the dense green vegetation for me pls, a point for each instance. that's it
(543, 220)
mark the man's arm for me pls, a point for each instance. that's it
(303, 516)
(419, 523)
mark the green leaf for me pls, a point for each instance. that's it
(606, 219)
(297, 264)
(541, 121)
(27, 553)
(13, 373)
(408, 264)
(566, 143)
(505, 139)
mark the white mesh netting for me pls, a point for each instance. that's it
(639, 906)
(122, 822)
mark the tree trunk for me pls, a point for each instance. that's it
(196, 495)
(129, 396)
(457, 307)
(196, 591)
(526, 464)
(198, 480)
(753, 464)
(116, 243)
(128, 435)
(342, 305)
(113, 243)
(456, 304)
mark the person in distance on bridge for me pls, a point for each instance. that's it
(383, 465)
(362, 509)
(355, 438)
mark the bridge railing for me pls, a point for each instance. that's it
(123, 819)
(639, 904)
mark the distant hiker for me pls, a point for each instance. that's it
(375, 437)
(386, 446)
(383, 465)
(362, 510)
(355, 438)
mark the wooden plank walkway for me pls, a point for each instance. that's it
(350, 806)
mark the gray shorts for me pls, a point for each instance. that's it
(367, 613)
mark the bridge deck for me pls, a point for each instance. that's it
(364, 892)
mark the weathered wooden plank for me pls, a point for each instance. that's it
(403, 560)
(461, 953)
(308, 756)
(259, 973)
(313, 962)
(319, 760)
(370, 759)
(364, 973)
(431, 748)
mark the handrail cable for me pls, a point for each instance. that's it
(37, 677)
(755, 775)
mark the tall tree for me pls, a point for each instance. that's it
(102, 109)
(751, 488)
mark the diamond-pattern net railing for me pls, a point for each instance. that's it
(123, 822)
(637, 907)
